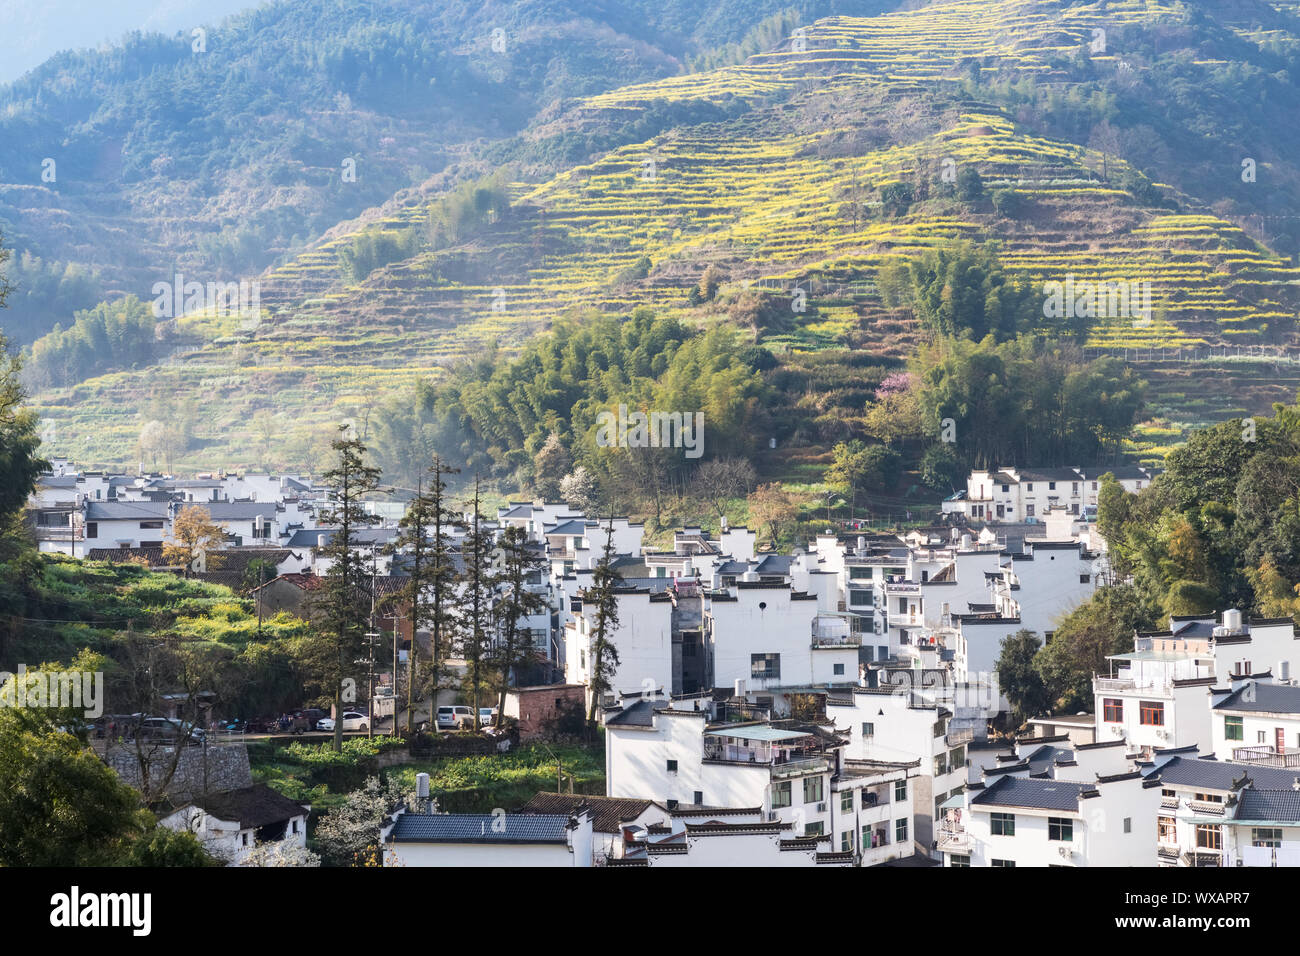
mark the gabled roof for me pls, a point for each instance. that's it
(639, 714)
(608, 812)
(572, 527)
(480, 828)
(126, 510)
(1282, 806)
(1218, 774)
(251, 807)
(1257, 698)
(1037, 794)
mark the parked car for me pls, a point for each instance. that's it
(351, 721)
(487, 716)
(114, 726)
(167, 730)
(455, 717)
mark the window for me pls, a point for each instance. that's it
(1113, 710)
(868, 730)
(699, 798)
(92, 529)
(814, 829)
(244, 838)
(1051, 486)
(846, 801)
(1266, 836)
(672, 766)
(765, 666)
(1006, 864)
(1166, 830)
(1029, 511)
(1002, 824)
(1151, 713)
(846, 842)
(1128, 824)
(1232, 729)
(1060, 829)
(812, 790)
(781, 795)
(838, 669)
(1085, 578)
(1209, 836)
(900, 790)
(151, 525)
(956, 860)
(1261, 737)
(940, 728)
(859, 598)
(1029, 486)
(900, 830)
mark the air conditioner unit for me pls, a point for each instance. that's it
(1117, 731)
(1064, 851)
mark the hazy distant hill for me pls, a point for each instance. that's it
(1110, 141)
(221, 160)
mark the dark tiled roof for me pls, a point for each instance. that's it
(255, 806)
(126, 510)
(1032, 794)
(1219, 774)
(479, 828)
(639, 714)
(609, 812)
(153, 555)
(1280, 805)
(361, 536)
(1263, 698)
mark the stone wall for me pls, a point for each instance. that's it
(227, 769)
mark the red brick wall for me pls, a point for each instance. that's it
(537, 705)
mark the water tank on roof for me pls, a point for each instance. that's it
(1232, 620)
(322, 540)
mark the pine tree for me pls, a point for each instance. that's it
(478, 587)
(343, 604)
(427, 593)
(519, 564)
(603, 593)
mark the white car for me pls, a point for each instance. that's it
(487, 716)
(351, 721)
(455, 717)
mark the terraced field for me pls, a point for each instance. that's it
(786, 197)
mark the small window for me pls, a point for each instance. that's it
(900, 790)
(812, 789)
(868, 729)
(1166, 830)
(1266, 837)
(1113, 710)
(900, 830)
(958, 860)
(1209, 836)
(1085, 578)
(92, 529)
(1128, 824)
(781, 794)
(838, 670)
(765, 666)
(1060, 829)
(1151, 713)
(1232, 728)
(846, 801)
(699, 798)
(672, 766)
(1006, 864)
(1002, 824)
(846, 842)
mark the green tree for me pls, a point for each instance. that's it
(523, 568)
(342, 605)
(1020, 680)
(603, 654)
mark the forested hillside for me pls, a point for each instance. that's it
(859, 185)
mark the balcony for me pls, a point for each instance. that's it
(953, 838)
(958, 738)
(797, 768)
(1206, 806)
(1121, 685)
(1265, 757)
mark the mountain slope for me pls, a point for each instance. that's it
(804, 170)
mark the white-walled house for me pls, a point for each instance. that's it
(490, 839)
(1041, 821)
(232, 824)
(1159, 695)
(1224, 813)
(1025, 494)
(1258, 722)
(900, 725)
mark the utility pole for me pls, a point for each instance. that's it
(371, 636)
